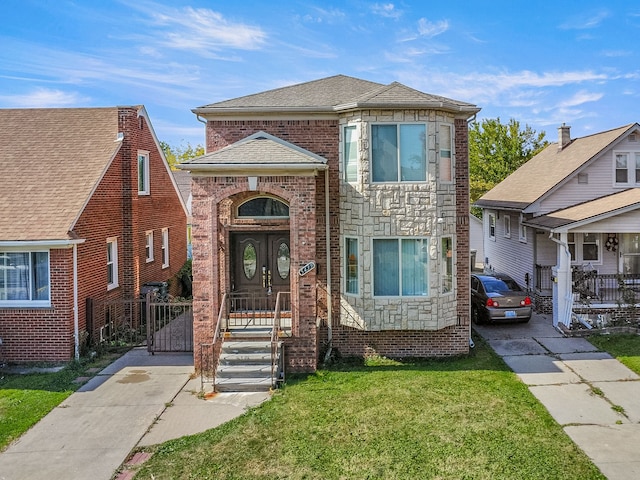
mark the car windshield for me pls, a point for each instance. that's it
(495, 285)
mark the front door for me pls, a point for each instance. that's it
(261, 263)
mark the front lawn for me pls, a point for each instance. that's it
(624, 347)
(468, 418)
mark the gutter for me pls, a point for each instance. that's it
(328, 248)
(76, 328)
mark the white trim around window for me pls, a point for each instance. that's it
(446, 153)
(143, 173)
(25, 279)
(165, 247)
(400, 266)
(351, 266)
(350, 153)
(522, 232)
(398, 152)
(506, 220)
(626, 168)
(148, 247)
(112, 263)
(585, 248)
(491, 226)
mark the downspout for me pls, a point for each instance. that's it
(328, 248)
(76, 333)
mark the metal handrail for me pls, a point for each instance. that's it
(216, 334)
(275, 332)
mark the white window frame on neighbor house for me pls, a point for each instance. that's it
(350, 153)
(506, 220)
(380, 147)
(25, 278)
(626, 168)
(112, 263)
(491, 223)
(148, 247)
(446, 153)
(143, 173)
(351, 266)
(522, 232)
(576, 244)
(405, 267)
(165, 247)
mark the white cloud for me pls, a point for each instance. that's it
(579, 98)
(585, 20)
(387, 10)
(430, 29)
(44, 98)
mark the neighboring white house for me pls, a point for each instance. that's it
(476, 241)
(567, 223)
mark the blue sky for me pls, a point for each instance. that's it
(542, 63)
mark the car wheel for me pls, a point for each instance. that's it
(475, 316)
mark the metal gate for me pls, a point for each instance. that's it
(163, 324)
(169, 324)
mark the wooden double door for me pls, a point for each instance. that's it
(261, 263)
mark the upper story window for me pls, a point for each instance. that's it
(400, 267)
(143, 173)
(492, 226)
(627, 168)
(399, 152)
(112, 263)
(24, 279)
(148, 247)
(350, 153)
(263, 207)
(446, 152)
(165, 247)
(507, 226)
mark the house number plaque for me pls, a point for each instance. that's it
(306, 268)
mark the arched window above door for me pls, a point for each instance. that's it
(263, 207)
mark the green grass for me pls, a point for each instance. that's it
(468, 418)
(25, 399)
(624, 347)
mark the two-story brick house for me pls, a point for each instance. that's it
(90, 210)
(337, 188)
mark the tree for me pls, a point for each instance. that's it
(175, 155)
(496, 150)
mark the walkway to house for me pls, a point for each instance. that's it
(594, 397)
(138, 400)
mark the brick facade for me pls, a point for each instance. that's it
(114, 210)
(441, 330)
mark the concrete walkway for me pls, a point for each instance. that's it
(139, 399)
(591, 395)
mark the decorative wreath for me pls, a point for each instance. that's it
(612, 243)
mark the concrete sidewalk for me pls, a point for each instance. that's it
(139, 399)
(591, 395)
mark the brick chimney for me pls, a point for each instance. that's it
(564, 136)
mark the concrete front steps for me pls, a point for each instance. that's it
(245, 364)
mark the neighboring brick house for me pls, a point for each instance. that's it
(369, 183)
(566, 224)
(90, 210)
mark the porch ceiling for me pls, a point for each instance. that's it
(588, 212)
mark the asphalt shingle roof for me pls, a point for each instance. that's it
(51, 160)
(547, 169)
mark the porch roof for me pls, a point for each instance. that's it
(588, 212)
(258, 154)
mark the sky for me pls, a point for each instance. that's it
(541, 63)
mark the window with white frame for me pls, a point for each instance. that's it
(399, 152)
(584, 247)
(506, 220)
(165, 247)
(24, 279)
(143, 173)
(492, 226)
(446, 153)
(112, 263)
(627, 168)
(523, 233)
(447, 264)
(400, 267)
(350, 153)
(148, 246)
(351, 274)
